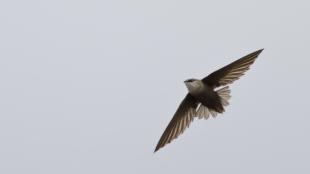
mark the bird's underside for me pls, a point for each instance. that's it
(206, 97)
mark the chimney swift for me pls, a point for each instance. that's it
(205, 98)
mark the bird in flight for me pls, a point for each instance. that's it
(206, 97)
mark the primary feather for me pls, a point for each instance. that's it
(192, 105)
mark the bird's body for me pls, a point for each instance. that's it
(204, 94)
(205, 98)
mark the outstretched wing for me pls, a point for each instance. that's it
(231, 72)
(181, 119)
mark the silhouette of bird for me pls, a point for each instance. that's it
(204, 98)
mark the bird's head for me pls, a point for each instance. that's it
(190, 80)
(193, 84)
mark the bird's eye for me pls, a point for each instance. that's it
(190, 80)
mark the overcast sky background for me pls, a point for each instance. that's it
(90, 86)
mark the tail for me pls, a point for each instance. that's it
(205, 112)
(224, 93)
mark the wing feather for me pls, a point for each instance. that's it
(180, 121)
(231, 72)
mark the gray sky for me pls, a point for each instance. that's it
(89, 86)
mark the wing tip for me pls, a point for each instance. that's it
(159, 145)
(254, 54)
(259, 51)
(156, 149)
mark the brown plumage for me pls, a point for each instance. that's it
(203, 99)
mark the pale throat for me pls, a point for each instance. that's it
(194, 87)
